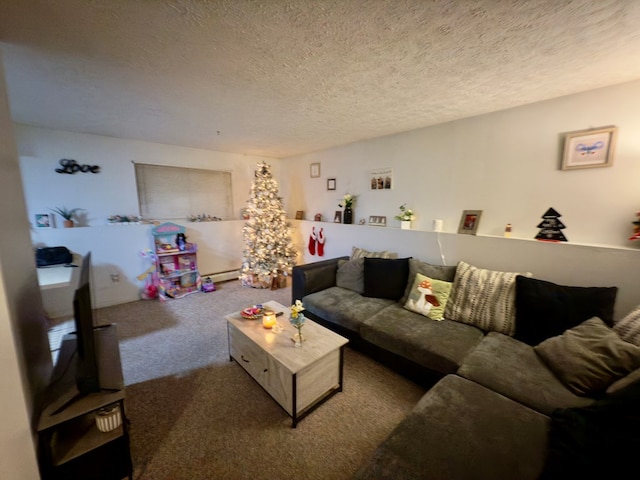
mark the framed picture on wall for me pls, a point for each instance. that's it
(469, 221)
(331, 183)
(44, 220)
(589, 148)
(381, 179)
(314, 170)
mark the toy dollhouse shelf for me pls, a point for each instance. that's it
(177, 264)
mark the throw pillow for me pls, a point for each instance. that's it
(350, 275)
(385, 277)
(544, 309)
(624, 382)
(437, 272)
(428, 297)
(629, 327)
(484, 298)
(589, 357)
(357, 252)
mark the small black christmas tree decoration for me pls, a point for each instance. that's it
(551, 227)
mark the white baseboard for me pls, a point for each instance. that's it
(223, 276)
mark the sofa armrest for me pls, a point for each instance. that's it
(313, 277)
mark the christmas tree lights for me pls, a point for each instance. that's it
(269, 253)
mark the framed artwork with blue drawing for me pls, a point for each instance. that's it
(591, 148)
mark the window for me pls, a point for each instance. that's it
(177, 192)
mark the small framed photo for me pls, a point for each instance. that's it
(381, 179)
(377, 221)
(299, 215)
(331, 183)
(337, 218)
(589, 148)
(44, 220)
(314, 170)
(469, 221)
(317, 217)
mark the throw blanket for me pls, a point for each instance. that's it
(598, 441)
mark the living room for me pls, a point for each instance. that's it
(505, 163)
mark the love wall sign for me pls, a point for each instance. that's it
(71, 166)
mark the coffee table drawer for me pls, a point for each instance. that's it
(248, 355)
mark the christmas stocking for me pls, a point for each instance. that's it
(321, 243)
(312, 241)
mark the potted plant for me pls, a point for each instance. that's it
(405, 216)
(67, 213)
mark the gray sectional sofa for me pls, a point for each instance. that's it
(495, 391)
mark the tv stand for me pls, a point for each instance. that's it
(70, 444)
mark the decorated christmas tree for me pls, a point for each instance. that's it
(551, 227)
(269, 253)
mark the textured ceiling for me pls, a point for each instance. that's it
(284, 77)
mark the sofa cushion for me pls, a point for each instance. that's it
(428, 297)
(438, 346)
(544, 309)
(357, 252)
(598, 441)
(589, 357)
(350, 274)
(385, 277)
(461, 430)
(513, 369)
(484, 298)
(343, 307)
(438, 272)
(629, 327)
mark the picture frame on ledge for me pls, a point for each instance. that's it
(591, 148)
(337, 218)
(377, 221)
(299, 215)
(44, 221)
(469, 222)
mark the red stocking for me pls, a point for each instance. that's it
(321, 243)
(312, 241)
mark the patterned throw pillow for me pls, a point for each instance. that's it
(428, 297)
(437, 272)
(357, 252)
(484, 298)
(629, 327)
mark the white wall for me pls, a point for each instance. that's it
(506, 164)
(116, 249)
(24, 356)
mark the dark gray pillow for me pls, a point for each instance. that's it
(589, 357)
(437, 272)
(350, 275)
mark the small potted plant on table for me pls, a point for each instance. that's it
(68, 214)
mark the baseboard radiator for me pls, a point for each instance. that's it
(223, 276)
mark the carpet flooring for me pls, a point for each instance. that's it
(195, 415)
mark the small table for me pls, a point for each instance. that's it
(299, 379)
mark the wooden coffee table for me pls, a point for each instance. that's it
(299, 379)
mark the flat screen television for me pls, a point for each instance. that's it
(87, 372)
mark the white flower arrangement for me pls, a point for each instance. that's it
(406, 214)
(347, 201)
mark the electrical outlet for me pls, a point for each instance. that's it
(115, 277)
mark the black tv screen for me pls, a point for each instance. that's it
(87, 375)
